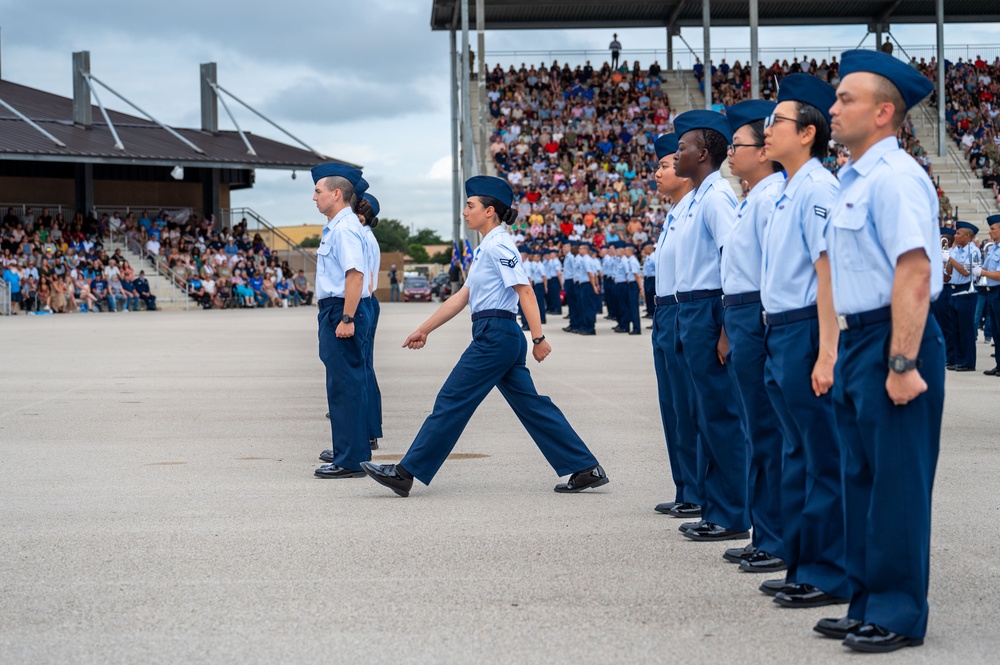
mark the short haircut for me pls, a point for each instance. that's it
(886, 91)
(757, 132)
(338, 182)
(716, 145)
(810, 115)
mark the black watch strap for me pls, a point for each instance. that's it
(538, 340)
(901, 364)
(347, 318)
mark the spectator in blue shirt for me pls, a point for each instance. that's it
(131, 296)
(257, 284)
(13, 279)
(99, 288)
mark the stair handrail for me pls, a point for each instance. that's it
(251, 213)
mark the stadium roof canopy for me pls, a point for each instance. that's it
(144, 142)
(567, 14)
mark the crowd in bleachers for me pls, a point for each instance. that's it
(577, 144)
(52, 265)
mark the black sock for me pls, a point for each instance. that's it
(403, 472)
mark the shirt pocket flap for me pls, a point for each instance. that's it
(851, 216)
(323, 249)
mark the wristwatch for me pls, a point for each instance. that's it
(347, 319)
(538, 340)
(902, 364)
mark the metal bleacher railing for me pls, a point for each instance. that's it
(5, 306)
(684, 58)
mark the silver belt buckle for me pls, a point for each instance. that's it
(842, 322)
(764, 316)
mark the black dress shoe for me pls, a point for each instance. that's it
(774, 587)
(327, 415)
(709, 532)
(763, 562)
(386, 474)
(619, 329)
(838, 629)
(806, 595)
(525, 328)
(373, 444)
(664, 508)
(583, 480)
(635, 332)
(965, 368)
(586, 332)
(951, 366)
(875, 639)
(691, 525)
(326, 456)
(334, 471)
(992, 372)
(739, 554)
(686, 510)
(569, 329)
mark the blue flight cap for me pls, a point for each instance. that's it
(702, 119)
(361, 187)
(373, 202)
(665, 144)
(993, 219)
(749, 111)
(912, 85)
(808, 89)
(948, 231)
(485, 185)
(967, 225)
(350, 173)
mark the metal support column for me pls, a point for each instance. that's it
(670, 48)
(706, 22)
(878, 36)
(942, 95)
(84, 188)
(481, 80)
(456, 183)
(210, 200)
(754, 53)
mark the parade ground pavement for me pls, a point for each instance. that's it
(159, 506)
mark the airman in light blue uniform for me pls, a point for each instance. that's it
(991, 271)
(965, 256)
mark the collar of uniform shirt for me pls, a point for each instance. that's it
(792, 184)
(761, 186)
(706, 185)
(679, 208)
(871, 157)
(343, 214)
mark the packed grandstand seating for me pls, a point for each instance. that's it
(59, 266)
(577, 143)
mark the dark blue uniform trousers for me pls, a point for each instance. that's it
(539, 289)
(812, 500)
(554, 301)
(760, 423)
(677, 410)
(374, 393)
(963, 311)
(649, 288)
(494, 358)
(587, 302)
(346, 383)
(632, 309)
(890, 457)
(571, 306)
(722, 449)
(610, 296)
(993, 307)
(946, 322)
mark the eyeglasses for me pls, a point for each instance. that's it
(772, 119)
(734, 146)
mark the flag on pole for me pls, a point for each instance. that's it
(467, 260)
(455, 254)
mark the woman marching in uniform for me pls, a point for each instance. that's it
(496, 285)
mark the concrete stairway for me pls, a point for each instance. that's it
(168, 296)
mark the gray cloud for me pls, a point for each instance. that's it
(326, 101)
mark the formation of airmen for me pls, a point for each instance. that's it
(799, 367)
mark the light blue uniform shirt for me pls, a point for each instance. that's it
(495, 269)
(649, 265)
(886, 206)
(374, 254)
(667, 247)
(342, 248)
(551, 268)
(569, 269)
(794, 239)
(631, 264)
(702, 234)
(966, 256)
(992, 263)
(741, 257)
(618, 269)
(591, 266)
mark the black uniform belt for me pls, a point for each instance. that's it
(691, 296)
(991, 289)
(862, 319)
(956, 288)
(740, 299)
(330, 302)
(791, 316)
(662, 301)
(493, 314)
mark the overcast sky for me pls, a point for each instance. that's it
(366, 82)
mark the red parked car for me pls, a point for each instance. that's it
(416, 289)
